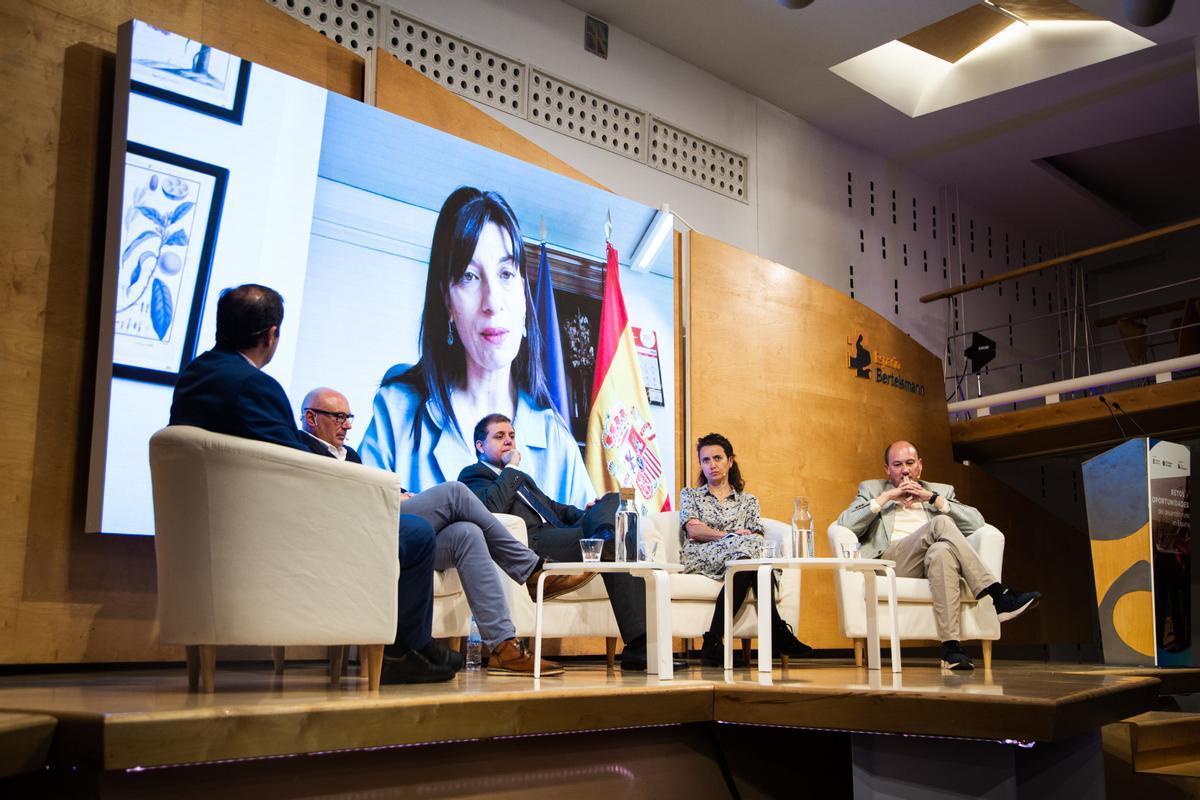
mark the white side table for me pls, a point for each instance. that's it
(659, 659)
(764, 566)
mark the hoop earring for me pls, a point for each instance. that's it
(450, 332)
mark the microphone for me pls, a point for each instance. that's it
(1120, 427)
(1127, 416)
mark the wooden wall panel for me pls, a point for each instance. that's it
(65, 596)
(768, 351)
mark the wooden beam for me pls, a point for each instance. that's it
(1167, 410)
(1054, 262)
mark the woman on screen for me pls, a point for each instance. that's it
(720, 522)
(480, 354)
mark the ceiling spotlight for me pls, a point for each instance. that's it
(1145, 13)
(792, 5)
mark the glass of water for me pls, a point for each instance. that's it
(591, 548)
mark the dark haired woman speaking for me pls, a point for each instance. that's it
(480, 355)
(721, 522)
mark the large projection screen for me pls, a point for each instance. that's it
(225, 172)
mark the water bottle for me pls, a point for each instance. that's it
(804, 544)
(474, 647)
(627, 528)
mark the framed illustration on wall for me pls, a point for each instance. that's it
(186, 73)
(171, 211)
(645, 342)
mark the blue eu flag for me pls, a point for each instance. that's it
(552, 351)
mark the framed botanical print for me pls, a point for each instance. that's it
(183, 72)
(171, 212)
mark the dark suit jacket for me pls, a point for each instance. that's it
(498, 491)
(318, 447)
(222, 392)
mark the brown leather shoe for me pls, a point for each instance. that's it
(510, 658)
(556, 585)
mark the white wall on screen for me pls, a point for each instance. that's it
(139, 409)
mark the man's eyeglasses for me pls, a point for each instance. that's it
(338, 416)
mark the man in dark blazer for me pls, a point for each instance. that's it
(225, 391)
(555, 529)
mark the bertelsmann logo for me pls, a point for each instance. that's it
(887, 367)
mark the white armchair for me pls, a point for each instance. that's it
(693, 597)
(586, 612)
(265, 545)
(914, 602)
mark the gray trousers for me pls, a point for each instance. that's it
(940, 553)
(471, 540)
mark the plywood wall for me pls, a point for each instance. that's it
(64, 596)
(768, 352)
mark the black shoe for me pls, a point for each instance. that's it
(634, 659)
(785, 643)
(953, 657)
(712, 653)
(1010, 604)
(413, 667)
(441, 656)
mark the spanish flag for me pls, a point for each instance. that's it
(622, 449)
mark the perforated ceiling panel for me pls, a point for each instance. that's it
(351, 23)
(510, 85)
(585, 115)
(698, 160)
(461, 66)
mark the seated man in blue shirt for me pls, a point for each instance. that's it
(225, 391)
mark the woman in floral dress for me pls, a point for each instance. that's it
(721, 522)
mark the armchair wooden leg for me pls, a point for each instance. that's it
(277, 657)
(987, 654)
(746, 649)
(610, 652)
(858, 652)
(337, 659)
(372, 656)
(193, 666)
(208, 666)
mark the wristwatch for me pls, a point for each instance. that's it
(933, 498)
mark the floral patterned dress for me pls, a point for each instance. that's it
(737, 511)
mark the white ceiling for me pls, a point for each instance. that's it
(989, 148)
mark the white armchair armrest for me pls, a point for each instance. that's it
(779, 533)
(988, 541)
(840, 535)
(516, 526)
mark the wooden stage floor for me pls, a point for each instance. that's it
(129, 719)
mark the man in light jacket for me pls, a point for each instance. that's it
(923, 528)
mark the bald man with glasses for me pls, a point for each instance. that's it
(326, 419)
(469, 539)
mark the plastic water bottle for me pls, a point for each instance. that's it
(626, 526)
(474, 647)
(804, 544)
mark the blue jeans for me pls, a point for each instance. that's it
(414, 591)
